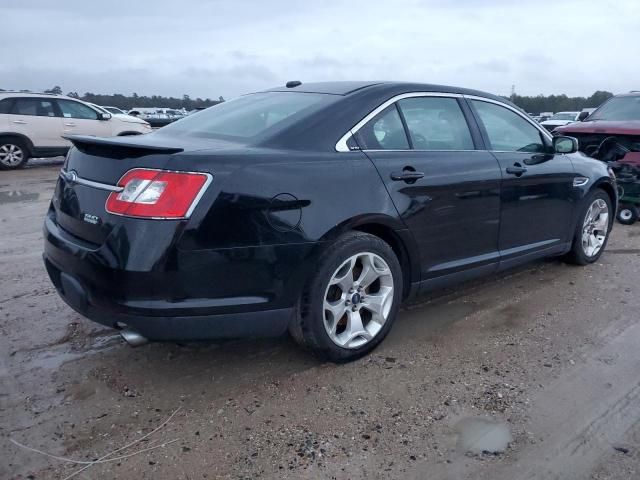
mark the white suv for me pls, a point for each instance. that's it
(32, 125)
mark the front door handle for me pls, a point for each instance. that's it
(20, 122)
(408, 176)
(516, 170)
(70, 124)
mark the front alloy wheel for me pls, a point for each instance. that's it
(358, 300)
(595, 227)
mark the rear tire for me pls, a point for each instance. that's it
(627, 214)
(351, 300)
(14, 153)
(592, 229)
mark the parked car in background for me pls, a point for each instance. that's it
(33, 125)
(559, 119)
(113, 110)
(612, 131)
(155, 117)
(612, 134)
(122, 116)
(316, 208)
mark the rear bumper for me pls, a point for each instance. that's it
(198, 295)
(261, 323)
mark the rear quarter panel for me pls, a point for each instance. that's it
(268, 201)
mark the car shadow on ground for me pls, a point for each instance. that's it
(234, 364)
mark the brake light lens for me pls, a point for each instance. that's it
(157, 193)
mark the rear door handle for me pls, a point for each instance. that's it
(516, 170)
(406, 176)
(70, 124)
(20, 122)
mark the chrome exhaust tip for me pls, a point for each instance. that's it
(133, 338)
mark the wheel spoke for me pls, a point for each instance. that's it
(345, 281)
(378, 303)
(355, 328)
(369, 272)
(337, 310)
(602, 222)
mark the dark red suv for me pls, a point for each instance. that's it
(612, 132)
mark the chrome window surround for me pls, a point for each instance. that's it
(341, 145)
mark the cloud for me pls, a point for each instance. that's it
(210, 48)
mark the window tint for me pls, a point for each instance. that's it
(384, 132)
(436, 123)
(5, 105)
(41, 107)
(507, 130)
(71, 109)
(250, 115)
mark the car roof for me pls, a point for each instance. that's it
(349, 87)
(14, 94)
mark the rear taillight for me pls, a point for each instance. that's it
(157, 193)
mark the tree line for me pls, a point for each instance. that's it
(127, 102)
(535, 105)
(559, 103)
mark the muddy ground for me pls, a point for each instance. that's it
(545, 358)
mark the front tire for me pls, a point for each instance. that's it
(14, 153)
(592, 229)
(351, 301)
(627, 214)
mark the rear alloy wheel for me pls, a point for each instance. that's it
(592, 231)
(13, 154)
(358, 300)
(627, 214)
(351, 301)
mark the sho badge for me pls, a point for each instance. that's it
(92, 219)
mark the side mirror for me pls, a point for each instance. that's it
(104, 116)
(582, 116)
(565, 144)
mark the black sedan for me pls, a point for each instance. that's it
(317, 209)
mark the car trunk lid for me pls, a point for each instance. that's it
(91, 173)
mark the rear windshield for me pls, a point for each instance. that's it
(250, 115)
(618, 109)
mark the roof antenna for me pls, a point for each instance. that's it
(293, 83)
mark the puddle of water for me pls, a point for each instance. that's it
(15, 196)
(53, 358)
(482, 435)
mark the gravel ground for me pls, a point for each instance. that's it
(543, 359)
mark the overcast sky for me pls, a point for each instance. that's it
(211, 48)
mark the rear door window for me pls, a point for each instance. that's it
(508, 131)
(5, 105)
(41, 107)
(436, 123)
(385, 131)
(71, 109)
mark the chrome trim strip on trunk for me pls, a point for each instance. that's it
(72, 177)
